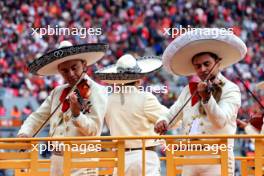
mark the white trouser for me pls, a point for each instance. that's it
(56, 168)
(201, 170)
(207, 170)
(133, 163)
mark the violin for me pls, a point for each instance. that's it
(194, 94)
(214, 86)
(83, 92)
(82, 89)
(212, 82)
(256, 121)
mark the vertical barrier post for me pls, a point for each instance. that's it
(121, 158)
(33, 159)
(224, 158)
(258, 156)
(67, 159)
(243, 167)
(169, 160)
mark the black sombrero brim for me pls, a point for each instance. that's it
(48, 63)
(148, 65)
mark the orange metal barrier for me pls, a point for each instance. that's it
(112, 154)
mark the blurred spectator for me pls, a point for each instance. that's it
(247, 148)
(128, 26)
(2, 171)
(2, 109)
(45, 153)
(27, 110)
(15, 112)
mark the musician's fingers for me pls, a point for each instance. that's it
(161, 132)
(161, 127)
(89, 92)
(164, 131)
(73, 97)
(165, 127)
(157, 128)
(201, 86)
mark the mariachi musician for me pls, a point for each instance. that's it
(255, 124)
(215, 99)
(132, 111)
(76, 108)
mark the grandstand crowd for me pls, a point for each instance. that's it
(135, 26)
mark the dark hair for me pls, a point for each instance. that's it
(213, 55)
(131, 83)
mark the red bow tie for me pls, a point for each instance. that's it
(193, 88)
(65, 103)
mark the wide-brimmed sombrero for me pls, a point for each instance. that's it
(260, 85)
(48, 63)
(177, 57)
(129, 69)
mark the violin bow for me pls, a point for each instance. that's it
(57, 107)
(195, 92)
(246, 87)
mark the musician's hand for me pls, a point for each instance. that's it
(161, 127)
(74, 104)
(23, 135)
(242, 124)
(203, 91)
(79, 127)
(257, 115)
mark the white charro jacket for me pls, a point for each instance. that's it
(91, 123)
(134, 114)
(221, 116)
(220, 119)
